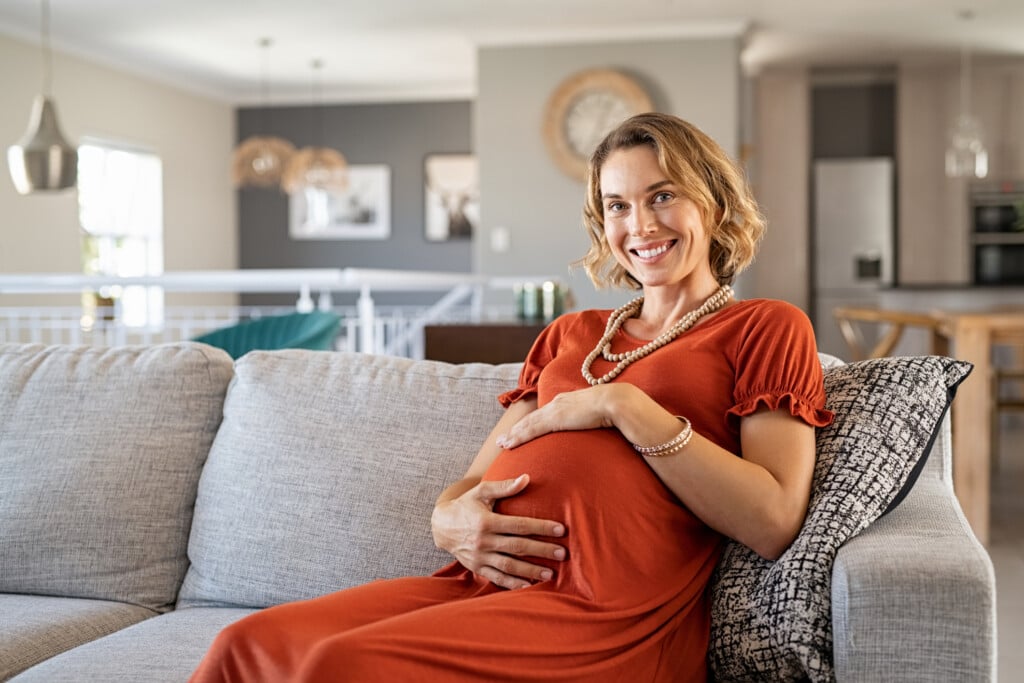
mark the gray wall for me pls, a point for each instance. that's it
(399, 135)
(522, 189)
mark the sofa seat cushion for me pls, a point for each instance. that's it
(34, 628)
(325, 470)
(100, 455)
(165, 649)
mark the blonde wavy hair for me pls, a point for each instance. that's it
(707, 176)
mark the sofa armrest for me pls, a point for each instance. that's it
(913, 596)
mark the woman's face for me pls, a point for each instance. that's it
(653, 230)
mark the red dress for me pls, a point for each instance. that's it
(629, 602)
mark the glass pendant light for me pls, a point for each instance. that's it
(317, 167)
(43, 160)
(966, 156)
(260, 160)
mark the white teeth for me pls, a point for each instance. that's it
(651, 253)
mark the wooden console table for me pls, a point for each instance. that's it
(480, 343)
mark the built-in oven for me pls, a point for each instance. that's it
(997, 232)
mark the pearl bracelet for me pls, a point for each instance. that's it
(669, 447)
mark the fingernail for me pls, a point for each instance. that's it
(546, 575)
(560, 554)
(558, 530)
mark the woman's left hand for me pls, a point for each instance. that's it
(573, 410)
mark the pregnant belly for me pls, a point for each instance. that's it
(567, 468)
(623, 524)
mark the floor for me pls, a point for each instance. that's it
(1006, 547)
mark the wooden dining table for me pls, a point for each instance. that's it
(969, 335)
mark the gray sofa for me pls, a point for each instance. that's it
(150, 496)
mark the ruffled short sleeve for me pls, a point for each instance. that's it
(777, 366)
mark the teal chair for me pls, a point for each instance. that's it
(315, 330)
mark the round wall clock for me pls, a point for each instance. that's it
(583, 109)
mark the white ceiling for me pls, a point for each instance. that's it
(381, 50)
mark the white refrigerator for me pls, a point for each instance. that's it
(853, 241)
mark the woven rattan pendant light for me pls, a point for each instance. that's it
(260, 160)
(316, 167)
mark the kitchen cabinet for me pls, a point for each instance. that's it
(934, 232)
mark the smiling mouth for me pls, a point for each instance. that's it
(653, 251)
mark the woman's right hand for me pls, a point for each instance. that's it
(493, 545)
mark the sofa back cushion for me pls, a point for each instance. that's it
(100, 455)
(325, 471)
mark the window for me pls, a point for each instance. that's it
(120, 208)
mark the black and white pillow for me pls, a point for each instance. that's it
(772, 620)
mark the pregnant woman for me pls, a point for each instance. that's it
(587, 528)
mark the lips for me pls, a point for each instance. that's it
(653, 250)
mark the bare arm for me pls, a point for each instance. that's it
(760, 500)
(485, 542)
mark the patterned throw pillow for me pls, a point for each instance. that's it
(772, 620)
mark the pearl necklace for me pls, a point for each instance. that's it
(631, 310)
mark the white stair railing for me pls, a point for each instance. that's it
(367, 327)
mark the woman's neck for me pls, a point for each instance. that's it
(664, 306)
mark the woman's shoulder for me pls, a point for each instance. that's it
(775, 310)
(587, 316)
(770, 306)
(573, 322)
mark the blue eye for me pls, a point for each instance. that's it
(662, 197)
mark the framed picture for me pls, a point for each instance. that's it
(360, 212)
(452, 190)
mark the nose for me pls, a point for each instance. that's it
(643, 221)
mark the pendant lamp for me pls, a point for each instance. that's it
(259, 160)
(316, 167)
(43, 160)
(966, 156)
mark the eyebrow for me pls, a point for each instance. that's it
(649, 188)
